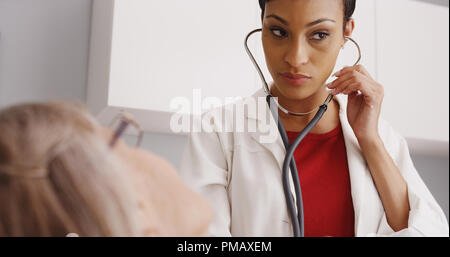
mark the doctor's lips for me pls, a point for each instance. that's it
(295, 79)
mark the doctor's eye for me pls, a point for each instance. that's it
(320, 35)
(278, 32)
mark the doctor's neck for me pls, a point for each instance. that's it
(296, 123)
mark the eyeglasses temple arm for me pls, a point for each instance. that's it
(118, 133)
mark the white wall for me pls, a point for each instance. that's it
(413, 63)
(43, 55)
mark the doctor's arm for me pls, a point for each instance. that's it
(410, 209)
(389, 182)
(365, 97)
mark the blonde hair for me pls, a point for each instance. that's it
(57, 175)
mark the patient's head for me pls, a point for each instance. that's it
(58, 175)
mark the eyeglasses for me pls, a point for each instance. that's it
(121, 124)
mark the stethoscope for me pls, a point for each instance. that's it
(296, 217)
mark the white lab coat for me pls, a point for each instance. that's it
(241, 179)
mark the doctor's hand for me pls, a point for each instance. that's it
(365, 97)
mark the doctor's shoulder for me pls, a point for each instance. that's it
(226, 117)
(222, 129)
(231, 117)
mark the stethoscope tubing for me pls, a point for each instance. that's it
(297, 223)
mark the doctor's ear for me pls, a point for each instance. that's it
(349, 27)
(348, 30)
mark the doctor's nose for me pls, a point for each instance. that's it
(297, 55)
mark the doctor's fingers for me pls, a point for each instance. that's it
(354, 84)
(348, 69)
(351, 89)
(363, 70)
(352, 75)
(348, 85)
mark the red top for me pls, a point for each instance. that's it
(324, 178)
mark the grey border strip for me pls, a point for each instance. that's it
(438, 2)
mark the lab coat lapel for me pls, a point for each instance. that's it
(276, 148)
(358, 170)
(278, 152)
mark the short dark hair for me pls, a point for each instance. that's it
(349, 9)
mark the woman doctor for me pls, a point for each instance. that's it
(356, 174)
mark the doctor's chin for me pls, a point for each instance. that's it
(219, 127)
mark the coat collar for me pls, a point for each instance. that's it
(359, 173)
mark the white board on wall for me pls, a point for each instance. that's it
(144, 53)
